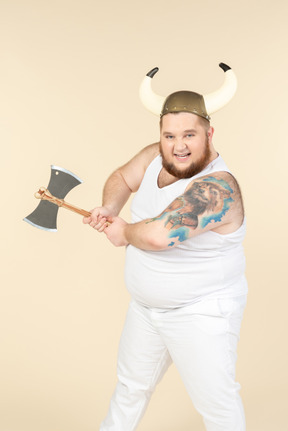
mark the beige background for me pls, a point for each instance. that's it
(69, 77)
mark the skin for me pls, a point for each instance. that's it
(209, 203)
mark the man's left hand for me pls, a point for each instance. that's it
(115, 231)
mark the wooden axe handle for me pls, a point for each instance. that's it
(44, 194)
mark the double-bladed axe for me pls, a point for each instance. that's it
(60, 184)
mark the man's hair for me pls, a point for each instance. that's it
(204, 123)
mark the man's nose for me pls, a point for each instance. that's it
(180, 144)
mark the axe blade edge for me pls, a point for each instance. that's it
(38, 226)
(58, 168)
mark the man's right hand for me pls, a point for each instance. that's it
(98, 218)
(119, 186)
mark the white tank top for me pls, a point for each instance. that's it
(207, 265)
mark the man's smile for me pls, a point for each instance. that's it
(182, 157)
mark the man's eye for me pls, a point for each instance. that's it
(189, 135)
(169, 137)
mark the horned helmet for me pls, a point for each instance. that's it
(188, 101)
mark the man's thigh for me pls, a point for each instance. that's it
(202, 341)
(143, 357)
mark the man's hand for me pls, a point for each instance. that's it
(98, 218)
(119, 186)
(115, 231)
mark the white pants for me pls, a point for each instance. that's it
(201, 339)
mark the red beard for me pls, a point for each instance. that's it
(193, 169)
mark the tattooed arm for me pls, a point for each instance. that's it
(209, 203)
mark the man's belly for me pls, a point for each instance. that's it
(170, 280)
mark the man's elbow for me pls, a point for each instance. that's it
(155, 242)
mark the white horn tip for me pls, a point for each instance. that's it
(152, 101)
(224, 94)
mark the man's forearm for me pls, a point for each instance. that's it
(144, 235)
(147, 235)
(115, 193)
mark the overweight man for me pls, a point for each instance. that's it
(184, 262)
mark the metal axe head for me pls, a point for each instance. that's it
(60, 184)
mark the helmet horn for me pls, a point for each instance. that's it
(218, 99)
(213, 101)
(152, 101)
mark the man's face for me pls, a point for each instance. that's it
(184, 144)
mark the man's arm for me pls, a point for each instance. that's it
(119, 186)
(209, 203)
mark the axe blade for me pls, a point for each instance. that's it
(45, 215)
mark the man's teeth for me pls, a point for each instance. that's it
(182, 155)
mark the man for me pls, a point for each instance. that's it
(184, 265)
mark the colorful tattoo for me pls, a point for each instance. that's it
(211, 196)
(226, 198)
(221, 182)
(181, 234)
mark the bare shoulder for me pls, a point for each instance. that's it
(133, 171)
(209, 203)
(149, 153)
(218, 196)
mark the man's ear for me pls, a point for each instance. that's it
(210, 133)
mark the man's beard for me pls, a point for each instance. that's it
(193, 169)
